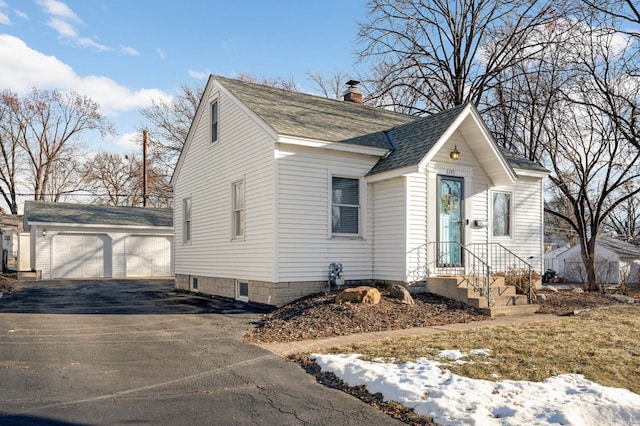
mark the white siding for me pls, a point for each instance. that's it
(243, 151)
(416, 252)
(305, 247)
(389, 229)
(527, 224)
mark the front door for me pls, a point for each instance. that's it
(450, 221)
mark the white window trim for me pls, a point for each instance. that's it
(186, 239)
(235, 237)
(362, 192)
(238, 297)
(215, 101)
(510, 236)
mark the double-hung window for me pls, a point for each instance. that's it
(214, 121)
(345, 205)
(186, 220)
(501, 207)
(238, 209)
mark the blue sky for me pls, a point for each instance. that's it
(123, 53)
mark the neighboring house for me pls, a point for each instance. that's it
(92, 241)
(273, 186)
(10, 228)
(616, 262)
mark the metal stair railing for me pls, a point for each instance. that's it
(515, 270)
(452, 258)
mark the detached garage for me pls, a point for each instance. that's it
(90, 241)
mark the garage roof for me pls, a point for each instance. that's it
(91, 214)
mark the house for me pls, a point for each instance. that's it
(273, 186)
(91, 241)
(10, 228)
(616, 262)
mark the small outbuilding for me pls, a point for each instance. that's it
(616, 262)
(93, 241)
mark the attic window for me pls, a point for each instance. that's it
(214, 121)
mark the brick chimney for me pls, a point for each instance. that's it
(353, 93)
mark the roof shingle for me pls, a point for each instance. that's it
(85, 214)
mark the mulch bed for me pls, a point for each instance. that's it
(318, 316)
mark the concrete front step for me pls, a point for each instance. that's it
(500, 311)
(504, 296)
(482, 302)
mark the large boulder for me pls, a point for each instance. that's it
(362, 294)
(401, 293)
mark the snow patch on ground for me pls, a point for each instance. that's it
(568, 399)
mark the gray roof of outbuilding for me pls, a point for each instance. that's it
(621, 248)
(297, 114)
(91, 214)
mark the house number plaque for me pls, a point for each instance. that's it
(450, 172)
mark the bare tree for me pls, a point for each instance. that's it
(112, 179)
(590, 163)
(168, 123)
(279, 82)
(11, 155)
(65, 178)
(46, 126)
(625, 11)
(442, 53)
(332, 86)
(624, 220)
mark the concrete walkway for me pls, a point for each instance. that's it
(286, 349)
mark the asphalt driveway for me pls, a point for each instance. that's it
(135, 351)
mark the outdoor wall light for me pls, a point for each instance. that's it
(44, 232)
(455, 154)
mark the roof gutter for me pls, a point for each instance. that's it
(393, 145)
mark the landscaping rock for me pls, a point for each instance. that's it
(549, 288)
(362, 294)
(541, 297)
(577, 290)
(401, 293)
(623, 298)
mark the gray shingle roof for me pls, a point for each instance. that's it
(307, 116)
(519, 162)
(414, 140)
(297, 114)
(621, 248)
(38, 211)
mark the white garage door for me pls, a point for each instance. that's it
(78, 256)
(148, 256)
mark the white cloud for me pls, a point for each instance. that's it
(4, 18)
(128, 142)
(64, 21)
(59, 9)
(161, 53)
(63, 27)
(198, 74)
(127, 50)
(22, 68)
(22, 14)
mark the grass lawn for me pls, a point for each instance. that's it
(603, 345)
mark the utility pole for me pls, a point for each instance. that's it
(144, 168)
